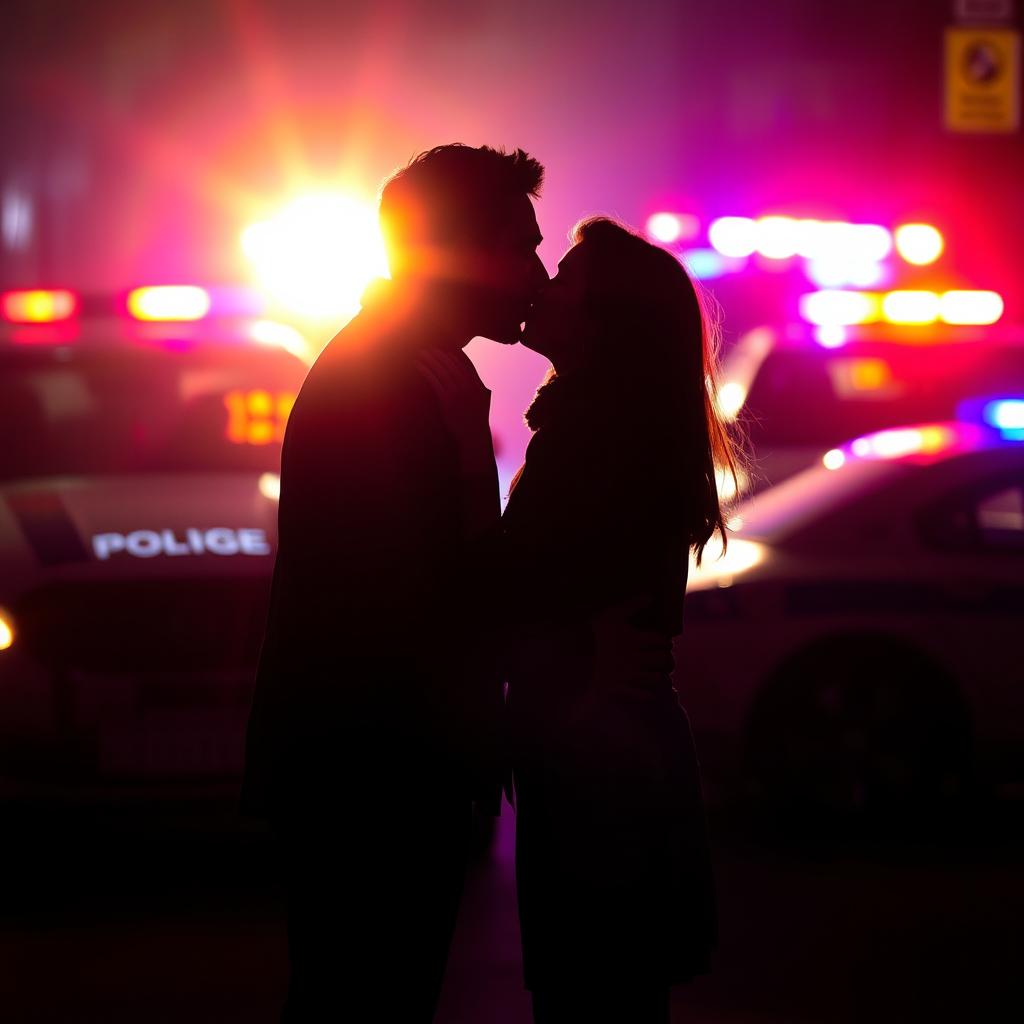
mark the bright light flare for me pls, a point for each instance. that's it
(277, 335)
(777, 237)
(833, 459)
(836, 308)
(733, 236)
(270, 486)
(731, 397)
(970, 307)
(902, 441)
(718, 569)
(671, 227)
(6, 630)
(830, 335)
(169, 302)
(1005, 414)
(919, 244)
(910, 307)
(318, 254)
(39, 305)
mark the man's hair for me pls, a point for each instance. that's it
(452, 194)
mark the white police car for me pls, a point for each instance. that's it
(798, 391)
(860, 640)
(137, 529)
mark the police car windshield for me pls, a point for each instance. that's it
(68, 411)
(818, 398)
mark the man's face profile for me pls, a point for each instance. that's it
(509, 273)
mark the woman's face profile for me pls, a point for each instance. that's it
(558, 321)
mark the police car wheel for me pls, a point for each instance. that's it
(860, 726)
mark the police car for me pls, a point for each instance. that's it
(138, 486)
(800, 390)
(860, 640)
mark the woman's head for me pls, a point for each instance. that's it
(627, 313)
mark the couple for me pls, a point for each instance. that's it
(403, 603)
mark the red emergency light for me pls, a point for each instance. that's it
(38, 305)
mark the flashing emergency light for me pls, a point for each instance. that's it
(830, 335)
(169, 302)
(733, 236)
(671, 227)
(776, 237)
(836, 308)
(970, 307)
(901, 441)
(38, 306)
(317, 255)
(837, 271)
(919, 244)
(6, 630)
(1005, 414)
(910, 307)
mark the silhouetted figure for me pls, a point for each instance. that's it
(615, 891)
(376, 718)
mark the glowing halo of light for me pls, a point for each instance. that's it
(910, 307)
(833, 459)
(733, 236)
(776, 237)
(668, 227)
(970, 307)
(919, 244)
(171, 302)
(317, 255)
(837, 308)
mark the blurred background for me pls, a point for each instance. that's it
(187, 215)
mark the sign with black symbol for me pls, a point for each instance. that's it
(982, 80)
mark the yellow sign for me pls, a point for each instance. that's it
(982, 79)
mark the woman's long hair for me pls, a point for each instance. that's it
(652, 341)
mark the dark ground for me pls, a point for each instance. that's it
(179, 920)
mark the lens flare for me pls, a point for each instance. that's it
(317, 255)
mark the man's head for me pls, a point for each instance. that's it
(460, 222)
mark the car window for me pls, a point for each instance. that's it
(144, 410)
(988, 517)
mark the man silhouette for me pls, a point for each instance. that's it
(376, 717)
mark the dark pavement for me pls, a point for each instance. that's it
(183, 921)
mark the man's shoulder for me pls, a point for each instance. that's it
(362, 368)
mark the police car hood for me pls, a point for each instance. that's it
(138, 527)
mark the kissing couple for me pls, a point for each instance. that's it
(423, 651)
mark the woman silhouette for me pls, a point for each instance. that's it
(615, 892)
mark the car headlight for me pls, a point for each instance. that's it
(718, 569)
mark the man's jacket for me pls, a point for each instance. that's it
(377, 671)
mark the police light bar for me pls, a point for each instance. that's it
(169, 303)
(38, 305)
(840, 308)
